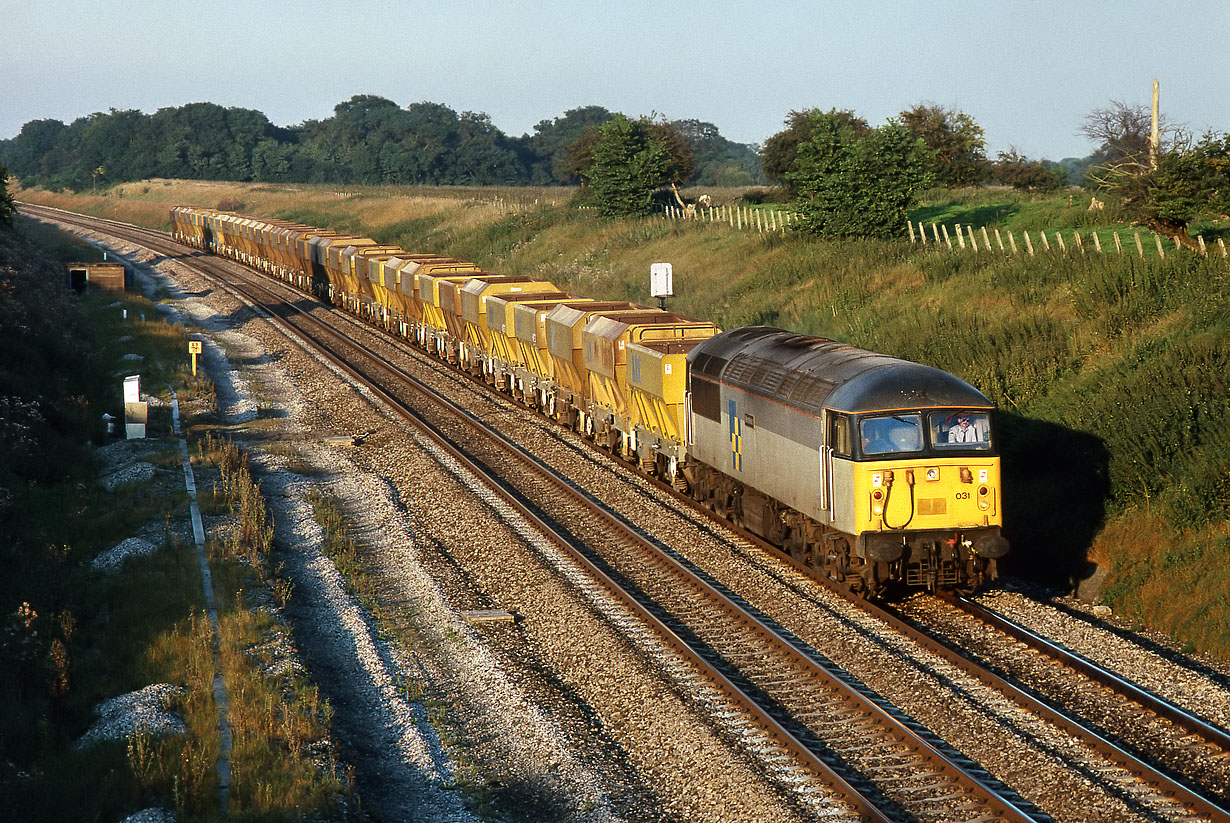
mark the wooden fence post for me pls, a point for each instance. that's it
(1177, 245)
(1118, 245)
(1157, 239)
(1200, 240)
(1059, 237)
(1221, 244)
(973, 243)
(1012, 241)
(999, 240)
(910, 226)
(935, 233)
(922, 232)
(1028, 243)
(960, 237)
(1045, 243)
(1079, 245)
(1139, 248)
(947, 239)
(986, 241)
(1097, 244)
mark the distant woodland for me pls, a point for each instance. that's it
(368, 140)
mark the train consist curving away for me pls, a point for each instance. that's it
(877, 471)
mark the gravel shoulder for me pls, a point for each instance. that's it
(555, 717)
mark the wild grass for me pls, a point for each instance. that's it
(281, 762)
(71, 637)
(1111, 369)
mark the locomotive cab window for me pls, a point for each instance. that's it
(961, 430)
(891, 434)
(839, 435)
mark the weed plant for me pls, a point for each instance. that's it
(71, 637)
(1110, 369)
(280, 762)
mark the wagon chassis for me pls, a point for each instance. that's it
(1181, 793)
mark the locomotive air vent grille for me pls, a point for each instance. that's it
(810, 392)
(757, 372)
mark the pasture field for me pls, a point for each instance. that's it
(1113, 372)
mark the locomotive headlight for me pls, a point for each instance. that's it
(983, 503)
(933, 474)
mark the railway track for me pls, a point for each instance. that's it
(799, 705)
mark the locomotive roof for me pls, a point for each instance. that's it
(813, 373)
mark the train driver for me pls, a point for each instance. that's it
(964, 432)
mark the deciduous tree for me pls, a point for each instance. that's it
(628, 163)
(1121, 132)
(1188, 183)
(777, 155)
(854, 184)
(547, 151)
(1011, 168)
(957, 144)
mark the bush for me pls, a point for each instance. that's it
(855, 185)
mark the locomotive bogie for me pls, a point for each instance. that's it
(873, 470)
(793, 422)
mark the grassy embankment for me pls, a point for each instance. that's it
(1111, 370)
(74, 636)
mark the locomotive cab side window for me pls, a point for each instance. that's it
(960, 429)
(839, 435)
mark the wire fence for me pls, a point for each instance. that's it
(737, 217)
(961, 237)
(1098, 242)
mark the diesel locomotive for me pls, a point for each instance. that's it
(880, 473)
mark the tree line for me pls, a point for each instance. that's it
(845, 177)
(368, 140)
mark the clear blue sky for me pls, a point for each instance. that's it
(1027, 72)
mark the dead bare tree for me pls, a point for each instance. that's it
(1127, 168)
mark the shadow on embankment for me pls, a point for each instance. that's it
(1055, 485)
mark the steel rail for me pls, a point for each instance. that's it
(992, 803)
(863, 808)
(1143, 771)
(1124, 688)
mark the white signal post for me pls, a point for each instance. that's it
(661, 285)
(194, 348)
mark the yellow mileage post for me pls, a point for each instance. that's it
(194, 348)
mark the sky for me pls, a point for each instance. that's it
(1027, 72)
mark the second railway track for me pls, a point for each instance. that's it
(896, 778)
